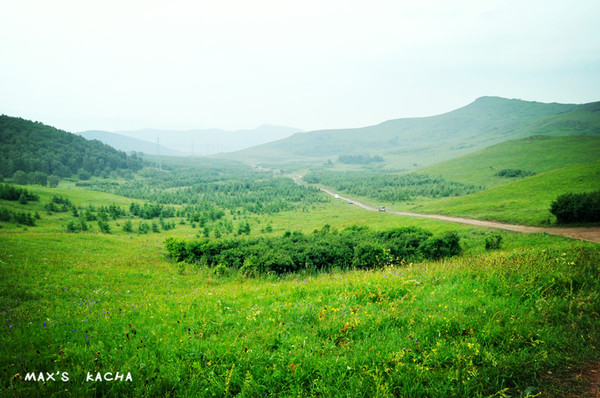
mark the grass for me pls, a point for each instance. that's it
(466, 327)
(526, 201)
(536, 154)
(483, 324)
(416, 142)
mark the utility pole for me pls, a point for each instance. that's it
(158, 162)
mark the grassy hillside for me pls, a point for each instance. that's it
(408, 143)
(520, 320)
(535, 154)
(525, 201)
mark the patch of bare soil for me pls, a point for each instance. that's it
(593, 375)
(590, 377)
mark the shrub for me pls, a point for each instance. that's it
(72, 227)
(445, 246)
(128, 226)
(582, 207)
(176, 248)
(12, 193)
(493, 242)
(323, 250)
(104, 226)
(143, 228)
(513, 173)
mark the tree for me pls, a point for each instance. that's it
(53, 181)
(39, 178)
(104, 226)
(20, 177)
(128, 226)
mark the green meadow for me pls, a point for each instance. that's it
(551, 166)
(525, 201)
(127, 281)
(521, 320)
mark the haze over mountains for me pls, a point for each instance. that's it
(414, 142)
(197, 142)
(401, 144)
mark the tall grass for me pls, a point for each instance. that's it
(471, 326)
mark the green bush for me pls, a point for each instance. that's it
(513, 173)
(493, 242)
(325, 249)
(445, 246)
(104, 226)
(128, 226)
(573, 208)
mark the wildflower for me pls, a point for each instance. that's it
(45, 324)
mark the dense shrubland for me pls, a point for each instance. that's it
(323, 250)
(389, 187)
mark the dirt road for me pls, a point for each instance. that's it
(591, 234)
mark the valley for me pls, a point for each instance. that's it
(251, 274)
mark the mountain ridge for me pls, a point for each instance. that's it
(128, 144)
(210, 141)
(426, 140)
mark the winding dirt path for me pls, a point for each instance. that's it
(591, 234)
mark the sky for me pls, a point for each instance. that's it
(310, 64)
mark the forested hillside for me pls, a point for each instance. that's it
(31, 151)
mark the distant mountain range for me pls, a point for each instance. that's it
(189, 142)
(414, 142)
(128, 144)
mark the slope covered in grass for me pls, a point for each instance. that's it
(411, 142)
(535, 154)
(526, 201)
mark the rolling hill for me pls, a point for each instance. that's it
(415, 142)
(535, 154)
(211, 141)
(128, 144)
(514, 181)
(33, 147)
(523, 201)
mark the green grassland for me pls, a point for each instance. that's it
(536, 154)
(518, 321)
(526, 201)
(560, 165)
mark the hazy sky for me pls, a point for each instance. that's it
(311, 64)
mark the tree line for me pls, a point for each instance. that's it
(359, 159)
(390, 187)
